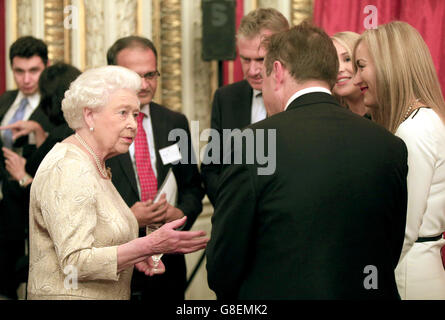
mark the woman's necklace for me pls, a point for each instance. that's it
(104, 173)
(408, 111)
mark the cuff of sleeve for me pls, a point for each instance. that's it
(102, 266)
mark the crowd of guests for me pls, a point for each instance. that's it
(359, 185)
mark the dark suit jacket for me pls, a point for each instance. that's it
(335, 205)
(14, 206)
(57, 134)
(6, 100)
(190, 191)
(232, 109)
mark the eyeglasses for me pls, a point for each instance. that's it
(151, 75)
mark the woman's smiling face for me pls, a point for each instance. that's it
(365, 77)
(344, 86)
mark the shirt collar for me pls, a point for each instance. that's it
(306, 91)
(145, 109)
(33, 100)
(256, 93)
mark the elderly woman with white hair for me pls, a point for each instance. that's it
(83, 237)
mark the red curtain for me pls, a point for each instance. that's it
(2, 47)
(426, 16)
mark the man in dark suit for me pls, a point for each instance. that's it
(329, 222)
(237, 105)
(139, 55)
(28, 58)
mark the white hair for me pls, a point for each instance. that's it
(93, 88)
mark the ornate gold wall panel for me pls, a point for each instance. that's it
(55, 36)
(268, 3)
(126, 17)
(167, 38)
(95, 38)
(301, 10)
(49, 22)
(24, 18)
(205, 75)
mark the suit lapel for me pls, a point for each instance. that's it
(244, 106)
(6, 101)
(127, 167)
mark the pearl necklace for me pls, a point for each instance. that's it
(408, 111)
(104, 173)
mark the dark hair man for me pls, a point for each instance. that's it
(28, 57)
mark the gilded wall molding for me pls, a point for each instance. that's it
(205, 74)
(54, 30)
(24, 18)
(48, 16)
(167, 39)
(126, 17)
(301, 10)
(95, 38)
(269, 4)
(156, 38)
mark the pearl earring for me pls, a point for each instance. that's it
(91, 129)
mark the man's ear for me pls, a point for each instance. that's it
(278, 74)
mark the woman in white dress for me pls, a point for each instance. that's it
(396, 75)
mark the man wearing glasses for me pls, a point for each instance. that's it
(138, 174)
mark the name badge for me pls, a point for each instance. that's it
(170, 154)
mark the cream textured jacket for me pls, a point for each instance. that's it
(77, 221)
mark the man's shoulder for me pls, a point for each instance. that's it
(157, 108)
(169, 118)
(8, 96)
(363, 127)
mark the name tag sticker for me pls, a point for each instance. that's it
(170, 154)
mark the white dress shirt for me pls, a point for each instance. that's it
(258, 109)
(305, 91)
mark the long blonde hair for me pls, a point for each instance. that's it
(347, 40)
(404, 72)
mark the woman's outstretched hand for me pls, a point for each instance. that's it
(168, 240)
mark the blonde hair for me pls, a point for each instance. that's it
(404, 72)
(347, 40)
(93, 88)
(262, 19)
